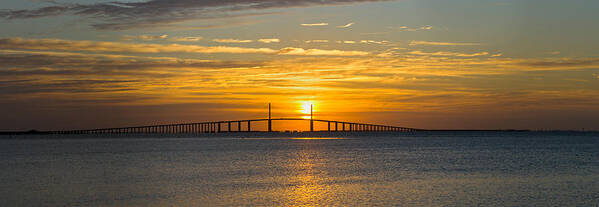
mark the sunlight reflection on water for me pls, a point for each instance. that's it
(428, 170)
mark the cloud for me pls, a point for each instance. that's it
(562, 63)
(271, 40)
(392, 52)
(315, 24)
(414, 43)
(374, 42)
(93, 46)
(555, 53)
(316, 41)
(408, 29)
(426, 28)
(145, 37)
(15, 62)
(319, 52)
(455, 54)
(362, 42)
(346, 26)
(125, 15)
(232, 41)
(185, 39)
(115, 47)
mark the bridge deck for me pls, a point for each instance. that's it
(217, 127)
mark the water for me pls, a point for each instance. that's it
(420, 169)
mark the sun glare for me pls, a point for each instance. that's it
(306, 107)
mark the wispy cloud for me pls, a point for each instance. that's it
(316, 41)
(116, 47)
(145, 37)
(185, 39)
(414, 43)
(409, 29)
(232, 41)
(94, 46)
(68, 63)
(346, 26)
(314, 24)
(319, 52)
(556, 63)
(455, 54)
(426, 28)
(374, 42)
(125, 14)
(362, 42)
(271, 40)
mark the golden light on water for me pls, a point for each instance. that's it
(307, 185)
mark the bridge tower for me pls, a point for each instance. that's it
(269, 119)
(311, 120)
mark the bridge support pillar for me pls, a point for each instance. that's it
(329, 125)
(229, 127)
(249, 126)
(269, 125)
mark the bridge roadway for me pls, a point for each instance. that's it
(226, 126)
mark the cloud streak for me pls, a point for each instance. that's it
(408, 29)
(314, 24)
(346, 26)
(415, 43)
(145, 37)
(319, 52)
(114, 47)
(270, 40)
(232, 41)
(316, 41)
(123, 15)
(442, 53)
(185, 39)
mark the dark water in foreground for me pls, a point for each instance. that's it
(421, 169)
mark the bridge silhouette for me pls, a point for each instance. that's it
(241, 126)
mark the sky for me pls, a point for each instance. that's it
(431, 64)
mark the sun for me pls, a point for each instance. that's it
(305, 107)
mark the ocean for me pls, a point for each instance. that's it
(491, 168)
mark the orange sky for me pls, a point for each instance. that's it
(406, 63)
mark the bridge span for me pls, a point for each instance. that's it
(236, 126)
(241, 126)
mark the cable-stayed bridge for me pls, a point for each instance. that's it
(236, 126)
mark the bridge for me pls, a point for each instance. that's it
(239, 126)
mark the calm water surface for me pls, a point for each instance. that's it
(422, 169)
